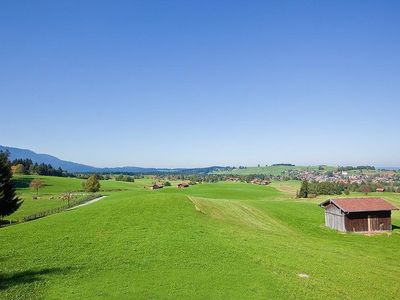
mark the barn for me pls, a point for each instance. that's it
(156, 187)
(358, 214)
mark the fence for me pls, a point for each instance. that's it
(53, 210)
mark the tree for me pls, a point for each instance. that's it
(119, 177)
(167, 183)
(92, 184)
(303, 193)
(9, 202)
(36, 184)
(18, 169)
(365, 189)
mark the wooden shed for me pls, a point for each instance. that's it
(156, 187)
(358, 214)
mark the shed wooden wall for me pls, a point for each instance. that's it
(334, 218)
(378, 221)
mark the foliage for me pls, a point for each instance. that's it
(351, 168)
(18, 169)
(365, 189)
(28, 167)
(92, 184)
(303, 193)
(167, 183)
(325, 188)
(9, 202)
(36, 184)
(126, 178)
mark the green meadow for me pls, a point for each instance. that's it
(271, 170)
(209, 241)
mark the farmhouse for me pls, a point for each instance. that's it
(183, 185)
(260, 182)
(358, 214)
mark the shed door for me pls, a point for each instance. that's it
(373, 223)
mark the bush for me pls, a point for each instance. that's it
(92, 184)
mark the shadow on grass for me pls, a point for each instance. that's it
(22, 182)
(26, 277)
(395, 227)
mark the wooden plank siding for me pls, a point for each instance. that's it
(368, 221)
(334, 218)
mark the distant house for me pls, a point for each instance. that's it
(233, 179)
(156, 187)
(265, 182)
(183, 185)
(358, 214)
(380, 190)
(260, 182)
(255, 181)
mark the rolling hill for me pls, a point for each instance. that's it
(210, 241)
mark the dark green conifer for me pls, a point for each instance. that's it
(9, 202)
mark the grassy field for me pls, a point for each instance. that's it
(49, 194)
(220, 241)
(271, 170)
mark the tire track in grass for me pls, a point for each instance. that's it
(237, 212)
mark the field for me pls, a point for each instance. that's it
(220, 241)
(49, 194)
(270, 170)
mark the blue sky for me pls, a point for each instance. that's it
(198, 83)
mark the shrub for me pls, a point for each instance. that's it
(92, 184)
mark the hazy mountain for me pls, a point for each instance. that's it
(73, 167)
(69, 166)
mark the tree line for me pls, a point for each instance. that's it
(314, 188)
(27, 167)
(351, 168)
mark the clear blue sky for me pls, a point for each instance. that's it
(198, 83)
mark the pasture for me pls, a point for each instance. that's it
(270, 170)
(219, 241)
(49, 194)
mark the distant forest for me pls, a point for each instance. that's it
(27, 167)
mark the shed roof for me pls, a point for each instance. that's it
(360, 204)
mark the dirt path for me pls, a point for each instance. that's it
(87, 203)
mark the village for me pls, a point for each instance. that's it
(345, 177)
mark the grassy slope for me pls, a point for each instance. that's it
(243, 241)
(52, 187)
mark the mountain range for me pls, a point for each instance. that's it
(73, 167)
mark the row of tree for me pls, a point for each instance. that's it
(313, 189)
(26, 166)
(351, 168)
(126, 178)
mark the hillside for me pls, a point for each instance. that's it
(223, 240)
(69, 166)
(269, 170)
